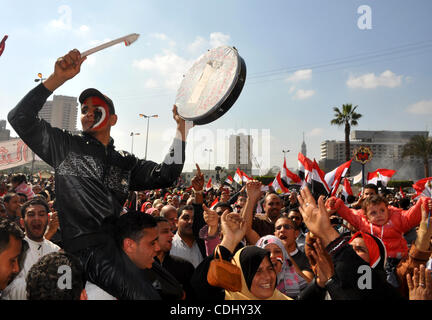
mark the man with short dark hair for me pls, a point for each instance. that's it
(184, 243)
(12, 203)
(56, 276)
(11, 237)
(137, 235)
(97, 175)
(35, 216)
(369, 189)
(264, 224)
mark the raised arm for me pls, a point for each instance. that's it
(253, 191)
(50, 144)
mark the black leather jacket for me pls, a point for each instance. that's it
(91, 180)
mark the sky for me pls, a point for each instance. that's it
(303, 57)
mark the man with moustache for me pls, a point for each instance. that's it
(35, 216)
(12, 203)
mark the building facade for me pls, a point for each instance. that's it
(61, 112)
(240, 153)
(386, 147)
(4, 133)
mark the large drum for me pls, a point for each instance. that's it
(211, 86)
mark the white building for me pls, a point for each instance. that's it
(61, 112)
(240, 152)
(386, 147)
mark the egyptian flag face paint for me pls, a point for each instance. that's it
(100, 113)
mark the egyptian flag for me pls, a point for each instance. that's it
(333, 178)
(316, 182)
(346, 190)
(380, 175)
(288, 177)
(423, 188)
(2, 45)
(245, 177)
(238, 177)
(305, 166)
(214, 203)
(209, 185)
(229, 180)
(278, 185)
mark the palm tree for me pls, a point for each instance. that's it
(348, 118)
(421, 147)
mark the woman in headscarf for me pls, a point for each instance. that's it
(258, 276)
(288, 281)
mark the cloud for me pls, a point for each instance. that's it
(305, 74)
(151, 84)
(216, 39)
(303, 94)
(84, 28)
(315, 132)
(163, 37)
(421, 107)
(65, 20)
(371, 81)
(169, 67)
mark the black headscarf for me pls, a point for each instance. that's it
(250, 260)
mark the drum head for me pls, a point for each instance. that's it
(211, 86)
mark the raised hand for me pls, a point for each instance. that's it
(253, 189)
(316, 218)
(198, 179)
(65, 68)
(420, 285)
(233, 229)
(210, 216)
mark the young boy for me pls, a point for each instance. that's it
(385, 222)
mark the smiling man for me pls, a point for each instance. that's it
(92, 178)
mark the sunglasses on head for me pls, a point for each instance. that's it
(286, 226)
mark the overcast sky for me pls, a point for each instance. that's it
(303, 58)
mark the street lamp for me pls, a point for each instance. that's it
(33, 154)
(285, 151)
(209, 150)
(132, 135)
(148, 120)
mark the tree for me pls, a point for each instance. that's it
(420, 147)
(348, 118)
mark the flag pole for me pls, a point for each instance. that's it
(363, 175)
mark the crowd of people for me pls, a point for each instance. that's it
(287, 246)
(111, 226)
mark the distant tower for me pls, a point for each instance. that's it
(303, 147)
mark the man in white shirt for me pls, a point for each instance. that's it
(184, 244)
(35, 215)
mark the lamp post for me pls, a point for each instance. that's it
(285, 151)
(40, 78)
(209, 150)
(148, 122)
(132, 135)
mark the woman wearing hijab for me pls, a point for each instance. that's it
(258, 276)
(288, 281)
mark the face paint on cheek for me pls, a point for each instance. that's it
(101, 115)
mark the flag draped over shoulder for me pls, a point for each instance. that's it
(333, 178)
(380, 175)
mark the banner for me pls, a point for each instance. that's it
(14, 153)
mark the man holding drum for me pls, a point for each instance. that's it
(93, 179)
